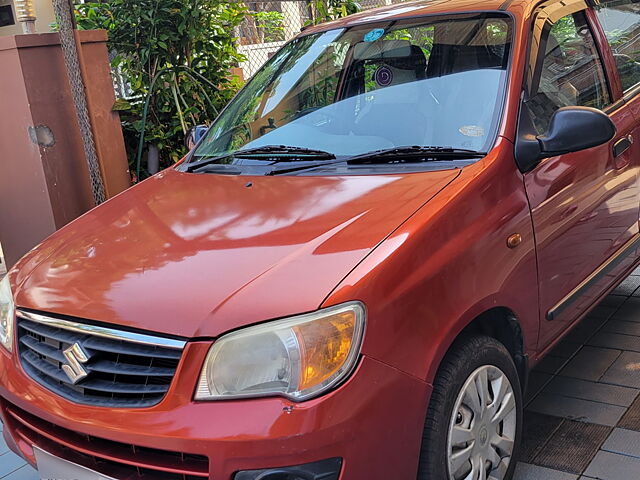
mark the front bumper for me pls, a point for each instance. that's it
(373, 422)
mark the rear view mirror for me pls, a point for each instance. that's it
(194, 135)
(382, 49)
(571, 129)
(576, 128)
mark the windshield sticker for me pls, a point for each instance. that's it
(384, 76)
(374, 35)
(472, 131)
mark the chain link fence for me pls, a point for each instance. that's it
(68, 41)
(270, 24)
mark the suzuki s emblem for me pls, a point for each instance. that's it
(75, 356)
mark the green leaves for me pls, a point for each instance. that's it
(271, 24)
(150, 36)
(326, 10)
(121, 105)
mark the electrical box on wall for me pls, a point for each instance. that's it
(7, 16)
(9, 24)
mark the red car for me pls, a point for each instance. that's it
(351, 274)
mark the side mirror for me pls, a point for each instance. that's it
(194, 135)
(571, 129)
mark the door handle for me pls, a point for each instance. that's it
(622, 145)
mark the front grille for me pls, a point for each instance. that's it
(119, 373)
(114, 459)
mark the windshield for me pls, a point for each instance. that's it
(434, 81)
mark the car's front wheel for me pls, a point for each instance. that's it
(474, 419)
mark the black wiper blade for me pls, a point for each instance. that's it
(414, 154)
(278, 153)
(300, 168)
(283, 150)
(390, 155)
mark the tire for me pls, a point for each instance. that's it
(454, 430)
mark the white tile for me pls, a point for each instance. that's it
(525, 471)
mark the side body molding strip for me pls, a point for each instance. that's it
(613, 261)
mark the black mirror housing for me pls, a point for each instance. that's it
(571, 129)
(576, 128)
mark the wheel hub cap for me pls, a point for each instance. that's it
(483, 426)
(484, 436)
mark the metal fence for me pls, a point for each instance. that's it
(269, 24)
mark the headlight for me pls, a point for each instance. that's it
(7, 311)
(298, 358)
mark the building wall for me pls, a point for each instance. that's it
(44, 178)
(44, 14)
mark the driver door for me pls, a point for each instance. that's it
(584, 205)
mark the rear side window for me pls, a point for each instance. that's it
(620, 20)
(570, 71)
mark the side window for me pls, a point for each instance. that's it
(570, 71)
(620, 20)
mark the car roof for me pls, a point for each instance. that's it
(417, 8)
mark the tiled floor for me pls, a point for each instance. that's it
(12, 467)
(582, 417)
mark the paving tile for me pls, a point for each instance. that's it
(24, 473)
(593, 391)
(616, 341)
(3, 446)
(622, 326)
(551, 364)
(590, 363)
(525, 471)
(537, 380)
(624, 442)
(631, 419)
(630, 310)
(587, 327)
(566, 348)
(595, 322)
(577, 409)
(584, 331)
(613, 300)
(624, 371)
(572, 446)
(602, 311)
(611, 466)
(10, 463)
(537, 430)
(628, 286)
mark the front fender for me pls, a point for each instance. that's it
(448, 264)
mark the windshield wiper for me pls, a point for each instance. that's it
(278, 153)
(414, 154)
(392, 155)
(308, 166)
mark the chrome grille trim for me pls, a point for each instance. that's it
(96, 366)
(103, 332)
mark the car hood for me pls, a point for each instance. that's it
(197, 255)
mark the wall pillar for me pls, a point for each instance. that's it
(44, 181)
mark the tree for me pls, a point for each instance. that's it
(326, 10)
(179, 53)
